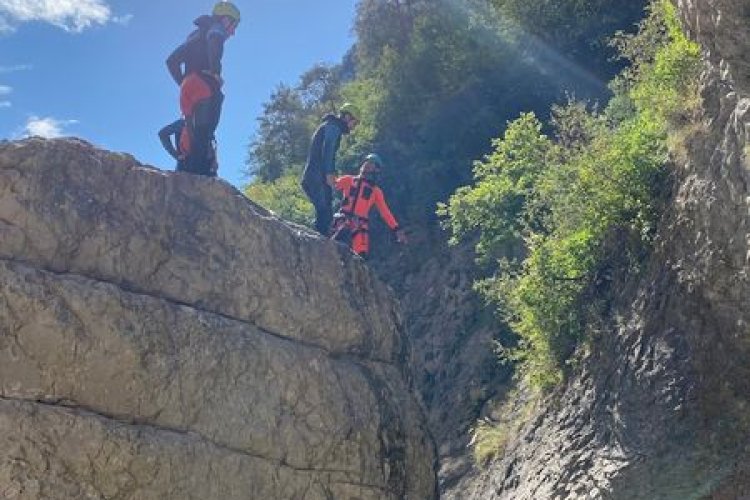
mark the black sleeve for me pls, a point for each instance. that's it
(215, 52)
(174, 63)
(165, 136)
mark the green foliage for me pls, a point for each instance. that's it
(381, 26)
(368, 94)
(505, 182)
(437, 80)
(577, 29)
(659, 88)
(289, 118)
(442, 97)
(574, 202)
(284, 197)
(282, 132)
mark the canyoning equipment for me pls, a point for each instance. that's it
(196, 66)
(200, 102)
(197, 141)
(351, 222)
(350, 109)
(200, 160)
(227, 9)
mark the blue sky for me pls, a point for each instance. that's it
(95, 68)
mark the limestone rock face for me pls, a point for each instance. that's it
(659, 410)
(163, 337)
(71, 209)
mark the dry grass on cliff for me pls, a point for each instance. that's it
(491, 435)
(685, 125)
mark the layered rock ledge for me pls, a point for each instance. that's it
(163, 337)
(69, 208)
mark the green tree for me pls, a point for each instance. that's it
(437, 80)
(577, 30)
(284, 197)
(585, 206)
(281, 141)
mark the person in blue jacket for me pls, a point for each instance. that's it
(319, 176)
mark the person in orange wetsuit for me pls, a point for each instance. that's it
(361, 193)
(196, 67)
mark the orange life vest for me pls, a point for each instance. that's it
(354, 216)
(359, 198)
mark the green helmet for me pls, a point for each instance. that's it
(227, 9)
(374, 158)
(350, 108)
(372, 164)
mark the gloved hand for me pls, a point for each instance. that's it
(401, 236)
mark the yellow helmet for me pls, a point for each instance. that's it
(350, 108)
(227, 9)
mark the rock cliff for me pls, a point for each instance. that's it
(163, 337)
(452, 334)
(659, 409)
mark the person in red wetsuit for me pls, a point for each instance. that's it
(361, 193)
(196, 67)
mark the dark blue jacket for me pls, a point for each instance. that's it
(202, 51)
(321, 159)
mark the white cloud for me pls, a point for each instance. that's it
(5, 26)
(70, 15)
(123, 20)
(5, 90)
(46, 127)
(17, 67)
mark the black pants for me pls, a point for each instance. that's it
(202, 127)
(321, 196)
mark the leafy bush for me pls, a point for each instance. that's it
(565, 200)
(284, 197)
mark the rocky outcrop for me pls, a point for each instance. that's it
(163, 337)
(454, 363)
(659, 409)
(76, 210)
(452, 334)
